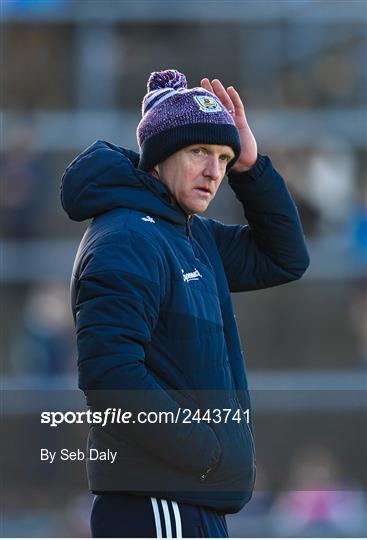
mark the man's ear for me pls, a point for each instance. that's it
(154, 173)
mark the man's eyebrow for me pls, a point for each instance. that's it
(229, 155)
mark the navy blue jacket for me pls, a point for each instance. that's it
(155, 324)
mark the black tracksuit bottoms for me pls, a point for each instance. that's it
(120, 515)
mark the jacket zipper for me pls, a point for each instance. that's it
(204, 475)
(248, 428)
(188, 230)
(251, 439)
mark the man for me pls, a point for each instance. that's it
(154, 320)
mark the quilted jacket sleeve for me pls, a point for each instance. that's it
(271, 250)
(118, 293)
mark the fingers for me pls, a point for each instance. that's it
(205, 83)
(223, 95)
(236, 99)
(229, 97)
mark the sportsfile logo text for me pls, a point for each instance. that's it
(118, 416)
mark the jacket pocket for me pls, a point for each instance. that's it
(236, 467)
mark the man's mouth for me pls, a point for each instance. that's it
(203, 190)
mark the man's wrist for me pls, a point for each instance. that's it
(252, 172)
(243, 167)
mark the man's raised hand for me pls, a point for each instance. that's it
(231, 99)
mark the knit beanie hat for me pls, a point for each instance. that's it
(174, 116)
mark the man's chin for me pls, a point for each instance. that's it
(198, 208)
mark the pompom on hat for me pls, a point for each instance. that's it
(174, 116)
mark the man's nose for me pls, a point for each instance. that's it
(212, 168)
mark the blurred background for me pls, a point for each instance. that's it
(74, 71)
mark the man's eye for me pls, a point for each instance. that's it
(225, 158)
(197, 151)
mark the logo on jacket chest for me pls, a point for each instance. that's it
(148, 218)
(189, 276)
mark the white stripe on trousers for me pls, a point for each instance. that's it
(157, 518)
(167, 518)
(176, 512)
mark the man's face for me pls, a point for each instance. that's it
(194, 174)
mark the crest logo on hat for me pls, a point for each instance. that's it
(208, 104)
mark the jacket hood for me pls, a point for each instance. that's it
(104, 177)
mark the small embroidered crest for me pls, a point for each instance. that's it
(148, 218)
(208, 104)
